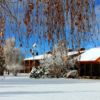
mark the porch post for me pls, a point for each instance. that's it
(91, 69)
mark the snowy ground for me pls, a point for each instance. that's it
(23, 88)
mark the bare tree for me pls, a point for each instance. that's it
(49, 19)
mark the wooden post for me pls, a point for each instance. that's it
(85, 69)
(99, 69)
(91, 70)
(29, 66)
(24, 66)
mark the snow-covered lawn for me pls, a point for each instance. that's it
(24, 88)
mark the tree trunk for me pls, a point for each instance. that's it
(1, 71)
(2, 62)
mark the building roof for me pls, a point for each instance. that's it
(39, 57)
(43, 56)
(75, 52)
(90, 55)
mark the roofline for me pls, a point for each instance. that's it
(85, 62)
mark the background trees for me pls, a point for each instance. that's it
(13, 56)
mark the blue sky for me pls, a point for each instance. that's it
(44, 47)
(97, 2)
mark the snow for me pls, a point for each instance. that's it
(90, 55)
(43, 56)
(74, 53)
(24, 88)
(39, 57)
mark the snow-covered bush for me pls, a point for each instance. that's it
(57, 65)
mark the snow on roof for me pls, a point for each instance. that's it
(90, 55)
(39, 57)
(74, 52)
